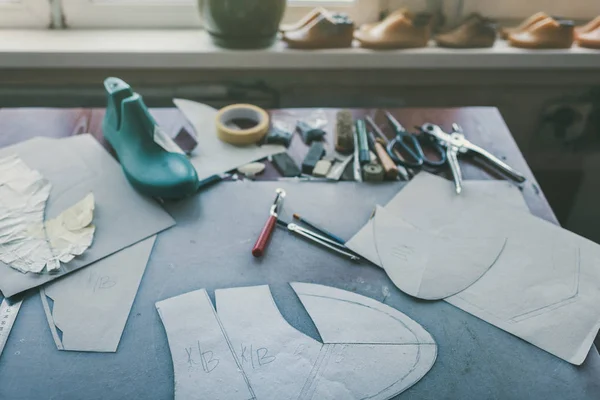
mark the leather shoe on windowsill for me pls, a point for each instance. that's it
(401, 11)
(326, 31)
(307, 19)
(528, 23)
(589, 27)
(546, 34)
(590, 40)
(475, 32)
(398, 31)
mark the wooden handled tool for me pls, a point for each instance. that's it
(263, 239)
(391, 171)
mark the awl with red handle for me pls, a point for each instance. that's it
(263, 240)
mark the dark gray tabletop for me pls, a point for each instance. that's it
(210, 248)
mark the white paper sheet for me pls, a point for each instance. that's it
(75, 167)
(213, 156)
(431, 266)
(369, 350)
(203, 360)
(544, 287)
(276, 357)
(28, 243)
(91, 306)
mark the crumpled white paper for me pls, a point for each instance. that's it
(27, 243)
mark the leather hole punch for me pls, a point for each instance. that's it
(130, 130)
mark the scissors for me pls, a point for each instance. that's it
(455, 144)
(406, 144)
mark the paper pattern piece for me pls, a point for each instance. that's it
(90, 307)
(545, 285)
(431, 266)
(213, 156)
(418, 204)
(369, 350)
(203, 363)
(27, 242)
(75, 167)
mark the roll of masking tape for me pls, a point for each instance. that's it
(242, 124)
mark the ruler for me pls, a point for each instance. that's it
(8, 315)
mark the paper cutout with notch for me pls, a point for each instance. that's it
(27, 242)
(431, 266)
(369, 350)
(213, 156)
(91, 305)
(429, 212)
(75, 167)
(545, 286)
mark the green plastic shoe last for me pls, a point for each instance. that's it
(129, 128)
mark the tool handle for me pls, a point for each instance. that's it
(261, 244)
(507, 169)
(391, 171)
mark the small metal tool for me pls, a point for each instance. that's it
(404, 173)
(320, 239)
(456, 143)
(261, 244)
(409, 145)
(8, 315)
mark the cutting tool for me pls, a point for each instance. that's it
(404, 173)
(456, 143)
(263, 239)
(411, 149)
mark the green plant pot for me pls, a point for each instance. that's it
(242, 24)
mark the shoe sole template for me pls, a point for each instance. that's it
(246, 350)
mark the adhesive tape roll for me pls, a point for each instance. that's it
(232, 121)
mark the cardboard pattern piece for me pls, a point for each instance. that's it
(90, 306)
(75, 167)
(431, 266)
(213, 156)
(544, 287)
(246, 348)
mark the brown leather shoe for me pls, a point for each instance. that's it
(589, 27)
(307, 19)
(528, 23)
(545, 34)
(401, 11)
(474, 32)
(396, 32)
(590, 39)
(324, 32)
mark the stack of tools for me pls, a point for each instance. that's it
(320, 29)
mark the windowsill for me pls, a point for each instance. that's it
(149, 49)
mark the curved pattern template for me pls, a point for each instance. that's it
(249, 351)
(427, 265)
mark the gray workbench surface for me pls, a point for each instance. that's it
(210, 248)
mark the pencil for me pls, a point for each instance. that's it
(321, 230)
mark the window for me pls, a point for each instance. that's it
(130, 13)
(25, 13)
(184, 13)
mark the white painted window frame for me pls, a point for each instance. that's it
(25, 14)
(184, 13)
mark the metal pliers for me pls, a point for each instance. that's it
(456, 143)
